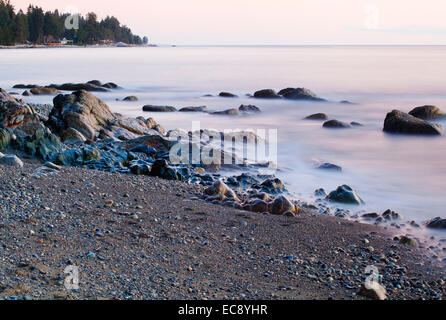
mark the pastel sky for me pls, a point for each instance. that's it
(272, 21)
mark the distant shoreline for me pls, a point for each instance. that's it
(43, 46)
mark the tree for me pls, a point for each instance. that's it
(6, 22)
(36, 20)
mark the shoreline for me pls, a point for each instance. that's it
(74, 46)
(181, 247)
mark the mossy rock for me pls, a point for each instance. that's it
(5, 138)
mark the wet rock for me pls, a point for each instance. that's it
(391, 215)
(329, 166)
(273, 185)
(259, 206)
(282, 205)
(427, 113)
(150, 108)
(220, 188)
(375, 291)
(194, 109)
(227, 95)
(356, 124)
(261, 196)
(437, 223)
(72, 135)
(320, 193)
(370, 216)
(336, 124)
(229, 112)
(162, 169)
(317, 116)
(110, 85)
(266, 94)
(409, 241)
(15, 112)
(345, 194)
(299, 94)
(249, 108)
(78, 86)
(400, 122)
(26, 93)
(131, 98)
(11, 160)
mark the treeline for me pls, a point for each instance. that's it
(39, 27)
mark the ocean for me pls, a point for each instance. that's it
(404, 173)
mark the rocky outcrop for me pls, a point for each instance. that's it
(15, 112)
(130, 98)
(299, 94)
(82, 115)
(400, 122)
(44, 91)
(194, 109)
(229, 112)
(345, 194)
(427, 113)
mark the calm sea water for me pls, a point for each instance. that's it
(404, 173)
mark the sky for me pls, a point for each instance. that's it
(271, 22)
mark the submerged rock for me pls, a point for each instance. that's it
(345, 194)
(317, 116)
(400, 122)
(131, 98)
(150, 108)
(44, 91)
(329, 166)
(437, 223)
(300, 94)
(227, 95)
(391, 215)
(249, 108)
(427, 113)
(266, 94)
(194, 109)
(229, 112)
(336, 124)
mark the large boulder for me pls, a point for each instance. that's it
(427, 113)
(400, 122)
(266, 94)
(345, 194)
(282, 205)
(81, 111)
(299, 94)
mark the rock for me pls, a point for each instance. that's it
(299, 94)
(53, 166)
(374, 291)
(437, 223)
(72, 135)
(220, 188)
(400, 122)
(259, 206)
(5, 138)
(26, 93)
(161, 169)
(345, 194)
(409, 241)
(194, 109)
(11, 160)
(44, 91)
(261, 196)
(156, 142)
(273, 185)
(320, 193)
(110, 85)
(370, 216)
(317, 116)
(25, 86)
(329, 166)
(266, 94)
(227, 95)
(95, 82)
(249, 108)
(336, 124)
(140, 167)
(282, 205)
(131, 98)
(427, 113)
(15, 112)
(229, 112)
(391, 215)
(81, 111)
(356, 124)
(78, 86)
(150, 108)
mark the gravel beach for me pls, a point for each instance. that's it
(140, 237)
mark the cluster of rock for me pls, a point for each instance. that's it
(289, 94)
(232, 111)
(414, 122)
(53, 89)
